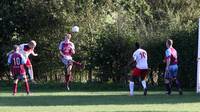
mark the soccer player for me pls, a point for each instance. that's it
(141, 69)
(25, 50)
(171, 69)
(67, 49)
(16, 62)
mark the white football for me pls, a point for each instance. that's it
(75, 29)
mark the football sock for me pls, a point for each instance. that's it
(144, 84)
(30, 72)
(178, 84)
(14, 88)
(131, 87)
(27, 87)
(168, 88)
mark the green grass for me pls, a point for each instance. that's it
(110, 101)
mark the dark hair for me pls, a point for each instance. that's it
(169, 42)
(137, 45)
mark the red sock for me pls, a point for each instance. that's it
(67, 78)
(14, 88)
(27, 87)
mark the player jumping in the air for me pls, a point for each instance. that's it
(171, 69)
(16, 62)
(26, 50)
(67, 49)
(141, 69)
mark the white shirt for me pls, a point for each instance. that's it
(65, 47)
(24, 53)
(140, 56)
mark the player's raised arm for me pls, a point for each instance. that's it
(33, 53)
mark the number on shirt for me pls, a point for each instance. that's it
(16, 61)
(142, 55)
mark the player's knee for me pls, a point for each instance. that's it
(30, 68)
(166, 81)
(25, 80)
(143, 78)
(174, 78)
(69, 70)
(15, 81)
(131, 78)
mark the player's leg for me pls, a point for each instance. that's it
(174, 72)
(66, 78)
(178, 86)
(65, 62)
(143, 80)
(68, 67)
(131, 85)
(24, 77)
(10, 72)
(167, 81)
(134, 74)
(30, 70)
(15, 82)
(69, 76)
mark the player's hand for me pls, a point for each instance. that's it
(35, 54)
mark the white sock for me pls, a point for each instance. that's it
(30, 72)
(144, 84)
(131, 87)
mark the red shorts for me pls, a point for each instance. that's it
(139, 72)
(28, 63)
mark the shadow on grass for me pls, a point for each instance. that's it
(75, 100)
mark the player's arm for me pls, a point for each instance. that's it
(61, 53)
(73, 49)
(9, 59)
(133, 59)
(131, 62)
(33, 53)
(167, 58)
(60, 48)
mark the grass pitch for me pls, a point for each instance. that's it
(112, 101)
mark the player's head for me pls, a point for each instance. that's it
(68, 36)
(16, 48)
(32, 44)
(169, 43)
(137, 45)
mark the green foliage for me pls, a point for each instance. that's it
(112, 55)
